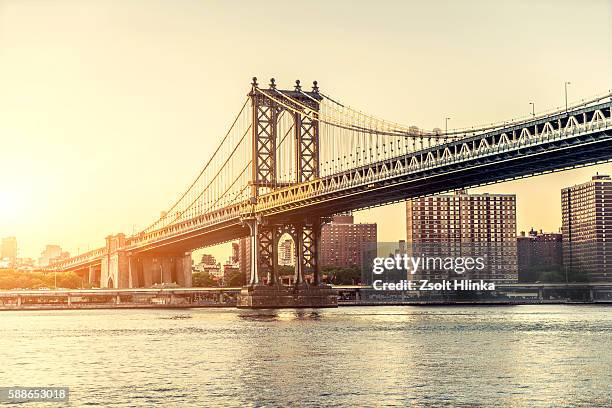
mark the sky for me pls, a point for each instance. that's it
(109, 109)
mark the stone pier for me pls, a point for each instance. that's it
(123, 269)
(261, 296)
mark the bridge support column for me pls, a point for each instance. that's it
(264, 257)
(254, 261)
(147, 271)
(133, 268)
(309, 247)
(167, 265)
(93, 275)
(156, 271)
(182, 265)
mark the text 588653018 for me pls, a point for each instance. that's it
(31, 394)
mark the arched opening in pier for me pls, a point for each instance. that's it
(286, 259)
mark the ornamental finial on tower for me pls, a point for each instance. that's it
(298, 87)
(272, 83)
(315, 87)
(254, 83)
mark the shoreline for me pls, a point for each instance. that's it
(340, 304)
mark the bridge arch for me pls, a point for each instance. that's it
(287, 259)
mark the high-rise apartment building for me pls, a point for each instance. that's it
(345, 244)
(286, 253)
(8, 251)
(235, 258)
(538, 252)
(52, 253)
(464, 225)
(244, 257)
(587, 228)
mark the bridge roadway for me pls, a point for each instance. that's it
(226, 297)
(582, 136)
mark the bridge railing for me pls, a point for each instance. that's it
(81, 259)
(231, 213)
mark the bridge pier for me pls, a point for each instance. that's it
(115, 264)
(122, 269)
(151, 269)
(93, 275)
(264, 261)
(147, 271)
(134, 272)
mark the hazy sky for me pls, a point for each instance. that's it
(108, 109)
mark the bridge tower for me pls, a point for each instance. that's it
(303, 107)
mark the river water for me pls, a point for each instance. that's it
(512, 356)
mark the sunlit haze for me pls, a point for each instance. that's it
(109, 109)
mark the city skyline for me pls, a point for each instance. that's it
(148, 88)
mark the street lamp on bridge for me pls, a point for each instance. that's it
(566, 84)
(532, 109)
(446, 129)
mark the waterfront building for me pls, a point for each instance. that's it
(345, 244)
(538, 252)
(229, 270)
(587, 228)
(464, 225)
(208, 264)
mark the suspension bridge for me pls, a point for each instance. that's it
(293, 157)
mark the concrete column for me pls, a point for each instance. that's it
(92, 275)
(133, 272)
(19, 301)
(157, 273)
(166, 265)
(84, 273)
(123, 270)
(147, 271)
(187, 270)
(104, 271)
(180, 273)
